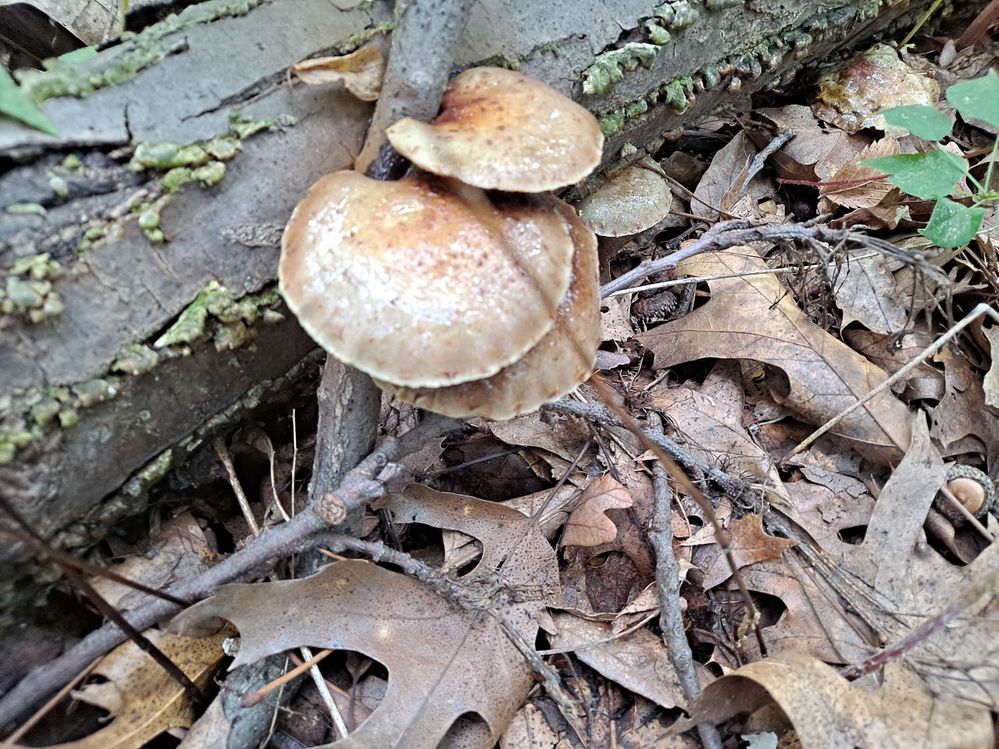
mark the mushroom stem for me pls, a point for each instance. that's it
(420, 61)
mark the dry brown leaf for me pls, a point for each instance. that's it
(721, 186)
(615, 318)
(588, 525)
(361, 71)
(562, 435)
(829, 712)
(857, 186)
(143, 698)
(866, 292)
(637, 661)
(180, 550)
(816, 152)
(923, 383)
(961, 421)
(443, 660)
(750, 544)
(897, 580)
(709, 418)
(754, 318)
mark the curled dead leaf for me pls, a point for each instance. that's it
(360, 72)
(588, 525)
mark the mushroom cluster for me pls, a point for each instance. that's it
(455, 299)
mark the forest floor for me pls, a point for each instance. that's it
(821, 366)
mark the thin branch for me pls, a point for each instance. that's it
(668, 581)
(727, 234)
(732, 486)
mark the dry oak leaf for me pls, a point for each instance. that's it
(814, 374)
(857, 186)
(144, 700)
(828, 712)
(750, 544)
(588, 525)
(709, 418)
(445, 661)
(894, 580)
(637, 661)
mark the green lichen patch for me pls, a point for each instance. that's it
(80, 77)
(676, 15)
(27, 289)
(26, 209)
(355, 41)
(166, 156)
(27, 416)
(135, 359)
(217, 314)
(201, 162)
(609, 68)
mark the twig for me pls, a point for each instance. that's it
(78, 581)
(668, 581)
(978, 311)
(728, 234)
(732, 486)
(760, 160)
(986, 587)
(255, 698)
(420, 60)
(237, 488)
(360, 485)
(724, 539)
(44, 710)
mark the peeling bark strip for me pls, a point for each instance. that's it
(130, 250)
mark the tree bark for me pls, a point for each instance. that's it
(93, 402)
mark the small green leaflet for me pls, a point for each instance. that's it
(16, 104)
(977, 100)
(952, 224)
(928, 175)
(921, 120)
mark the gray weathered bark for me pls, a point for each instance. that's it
(181, 82)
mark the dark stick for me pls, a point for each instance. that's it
(668, 581)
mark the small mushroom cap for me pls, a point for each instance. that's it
(560, 362)
(419, 285)
(361, 71)
(500, 130)
(634, 199)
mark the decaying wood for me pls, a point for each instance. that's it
(192, 74)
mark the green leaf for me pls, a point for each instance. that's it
(15, 103)
(952, 224)
(921, 120)
(926, 175)
(977, 100)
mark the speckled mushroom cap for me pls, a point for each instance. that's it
(419, 285)
(560, 362)
(500, 130)
(634, 199)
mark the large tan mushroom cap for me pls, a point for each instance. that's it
(559, 363)
(634, 199)
(500, 130)
(412, 283)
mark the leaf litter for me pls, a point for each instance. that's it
(528, 540)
